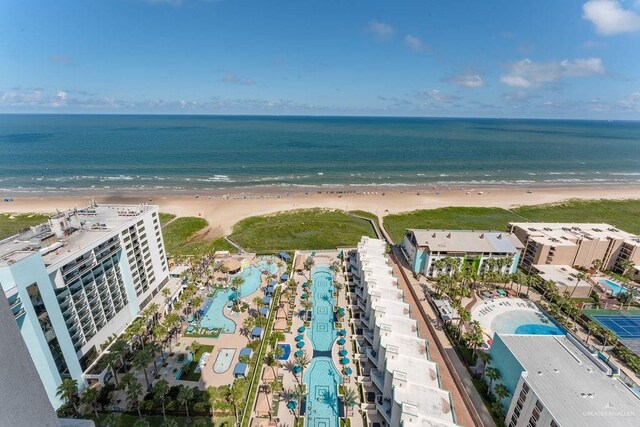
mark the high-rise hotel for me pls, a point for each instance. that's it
(73, 282)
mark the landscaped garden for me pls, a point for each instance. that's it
(12, 223)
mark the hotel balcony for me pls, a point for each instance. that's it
(365, 320)
(377, 377)
(383, 405)
(359, 292)
(368, 335)
(372, 355)
(362, 304)
(18, 314)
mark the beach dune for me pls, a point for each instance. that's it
(226, 207)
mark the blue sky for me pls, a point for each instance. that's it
(539, 59)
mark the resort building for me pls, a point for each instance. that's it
(78, 279)
(566, 278)
(575, 245)
(556, 381)
(424, 248)
(409, 389)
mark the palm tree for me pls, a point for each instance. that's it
(160, 333)
(68, 390)
(298, 393)
(349, 401)
(493, 374)
(110, 360)
(197, 303)
(303, 361)
(234, 394)
(89, 397)
(120, 348)
(501, 391)
(272, 362)
(134, 391)
(580, 276)
(184, 396)
(258, 303)
(193, 348)
(307, 305)
(141, 360)
(160, 391)
(608, 337)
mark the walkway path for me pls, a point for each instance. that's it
(468, 405)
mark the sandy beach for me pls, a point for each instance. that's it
(223, 208)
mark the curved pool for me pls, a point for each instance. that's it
(214, 313)
(525, 322)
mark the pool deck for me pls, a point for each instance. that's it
(485, 311)
(285, 416)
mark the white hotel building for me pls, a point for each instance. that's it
(73, 282)
(409, 387)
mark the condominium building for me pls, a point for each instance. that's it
(423, 249)
(555, 381)
(78, 279)
(576, 244)
(410, 392)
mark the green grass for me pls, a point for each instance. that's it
(620, 213)
(165, 218)
(188, 374)
(300, 229)
(11, 223)
(456, 218)
(126, 420)
(365, 214)
(180, 238)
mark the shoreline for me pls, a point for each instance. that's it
(222, 208)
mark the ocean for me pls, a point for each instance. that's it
(136, 152)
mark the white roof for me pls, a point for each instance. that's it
(467, 241)
(178, 270)
(561, 275)
(571, 385)
(568, 230)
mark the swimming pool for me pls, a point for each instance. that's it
(322, 377)
(286, 351)
(322, 331)
(525, 322)
(214, 308)
(615, 288)
(322, 380)
(223, 361)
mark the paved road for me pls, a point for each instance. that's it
(469, 407)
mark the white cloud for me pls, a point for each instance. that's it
(632, 102)
(466, 80)
(414, 43)
(436, 95)
(527, 74)
(610, 17)
(382, 30)
(234, 79)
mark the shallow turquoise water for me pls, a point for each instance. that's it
(614, 286)
(322, 377)
(214, 316)
(525, 322)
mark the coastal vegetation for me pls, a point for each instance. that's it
(302, 229)
(165, 218)
(184, 237)
(620, 213)
(12, 223)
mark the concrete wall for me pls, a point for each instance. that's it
(24, 402)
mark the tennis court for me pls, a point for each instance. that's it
(623, 326)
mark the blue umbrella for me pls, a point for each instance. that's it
(301, 329)
(344, 361)
(342, 341)
(297, 369)
(300, 344)
(342, 332)
(299, 353)
(343, 353)
(348, 371)
(292, 404)
(299, 338)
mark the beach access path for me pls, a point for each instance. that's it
(469, 407)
